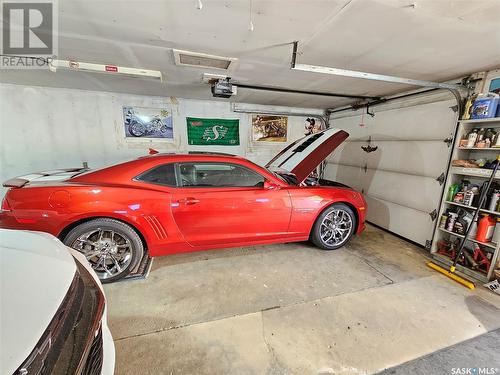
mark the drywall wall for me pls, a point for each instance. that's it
(48, 128)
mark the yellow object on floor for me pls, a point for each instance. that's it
(450, 273)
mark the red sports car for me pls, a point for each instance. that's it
(170, 203)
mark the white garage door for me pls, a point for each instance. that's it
(399, 178)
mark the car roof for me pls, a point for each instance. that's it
(187, 154)
(124, 172)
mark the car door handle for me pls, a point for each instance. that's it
(189, 201)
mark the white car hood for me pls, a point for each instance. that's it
(305, 154)
(36, 271)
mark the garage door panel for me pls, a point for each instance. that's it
(400, 219)
(349, 153)
(399, 178)
(351, 176)
(422, 122)
(409, 157)
(417, 192)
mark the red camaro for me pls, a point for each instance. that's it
(171, 203)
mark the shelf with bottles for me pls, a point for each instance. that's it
(479, 137)
(462, 199)
(483, 210)
(467, 192)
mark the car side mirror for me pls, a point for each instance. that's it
(270, 185)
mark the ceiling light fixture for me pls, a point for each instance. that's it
(78, 66)
(199, 6)
(365, 75)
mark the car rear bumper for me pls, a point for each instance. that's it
(8, 221)
(41, 223)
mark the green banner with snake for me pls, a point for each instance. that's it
(208, 131)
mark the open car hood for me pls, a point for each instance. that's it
(305, 154)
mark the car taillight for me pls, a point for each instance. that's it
(5, 205)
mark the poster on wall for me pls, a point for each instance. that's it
(269, 128)
(311, 126)
(140, 122)
(210, 131)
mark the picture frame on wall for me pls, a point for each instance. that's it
(145, 122)
(269, 129)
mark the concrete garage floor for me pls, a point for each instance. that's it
(293, 309)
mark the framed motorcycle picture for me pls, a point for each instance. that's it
(141, 122)
(269, 128)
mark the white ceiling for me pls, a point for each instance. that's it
(431, 40)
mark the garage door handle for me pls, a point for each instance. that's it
(189, 201)
(369, 148)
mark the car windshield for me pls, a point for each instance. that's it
(284, 176)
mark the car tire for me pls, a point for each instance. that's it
(334, 227)
(113, 248)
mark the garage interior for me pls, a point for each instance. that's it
(402, 77)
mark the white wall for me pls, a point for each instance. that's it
(47, 128)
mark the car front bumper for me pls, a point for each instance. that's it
(108, 360)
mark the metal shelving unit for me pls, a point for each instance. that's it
(475, 175)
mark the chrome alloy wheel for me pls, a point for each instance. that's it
(108, 252)
(336, 227)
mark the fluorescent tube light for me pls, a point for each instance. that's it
(78, 66)
(372, 76)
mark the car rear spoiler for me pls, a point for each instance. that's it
(15, 182)
(55, 175)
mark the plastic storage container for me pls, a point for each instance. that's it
(485, 228)
(485, 106)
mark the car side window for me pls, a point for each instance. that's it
(161, 175)
(218, 175)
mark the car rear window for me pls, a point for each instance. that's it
(161, 175)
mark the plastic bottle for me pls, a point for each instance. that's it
(443, 220)
(451, 221)
(485, 229)
(452, 190)
(495, 197)
(496, 234)
(472, 138)
(473, 231)
(480, 135)
(490, 134)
